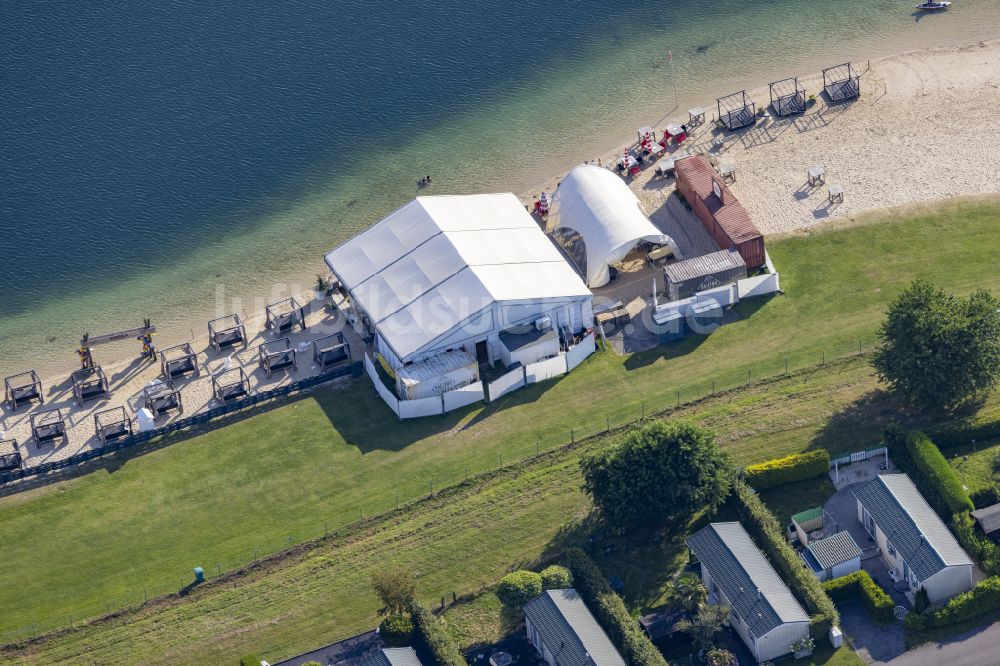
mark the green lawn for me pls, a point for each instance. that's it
(789, 499)
(978, 467)
(460, 541)
(76, 548)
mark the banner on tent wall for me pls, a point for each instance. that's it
(547, 369)
(579, 354)
(511, 381)
(463, 396)
(387, 395)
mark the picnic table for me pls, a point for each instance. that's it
(696, 115)
(816, 175)
(666, 166)
(615, 316)
(728, 173)
(836, 194)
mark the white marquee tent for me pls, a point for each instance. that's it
(445, 272)
(598, 205)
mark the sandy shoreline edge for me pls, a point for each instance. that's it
(915, 135)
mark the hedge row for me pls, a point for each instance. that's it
(982, 599)
(940, 481)
(860, 585)
(984, 551)
(983, 425)
(608, 607)
(796, 467)
(761, 524)
(430, 628)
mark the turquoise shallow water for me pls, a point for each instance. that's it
(189, 159)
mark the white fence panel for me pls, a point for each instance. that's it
(463, 396)
(501, 386)
(579, 354)
(725, 295)
(552, 367)
(387, 395)
(759, 285)
(412, 409)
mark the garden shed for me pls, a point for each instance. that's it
(833, 557)
(719, 211)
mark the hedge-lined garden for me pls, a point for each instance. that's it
(859, 585)
(796, 467)
(941, 483)
(761, 524)
(982, 599)
(433, 633)
(610, 611)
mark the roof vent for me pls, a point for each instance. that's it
(758, 594)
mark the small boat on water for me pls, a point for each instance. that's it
(932, 6)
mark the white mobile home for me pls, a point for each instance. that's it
(763, 611)
(450, 273)
(565, 633)
(912, 538)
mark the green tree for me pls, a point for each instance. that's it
(518, 588)
(705, 625)
(939, 350)
(688, 592)
(657, 476)
(395, 589)
(921, 600)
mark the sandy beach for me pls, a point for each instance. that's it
(920, 131)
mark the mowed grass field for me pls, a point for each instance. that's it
(75, 548)
(462, 540)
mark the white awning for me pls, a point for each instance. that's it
(598, 205)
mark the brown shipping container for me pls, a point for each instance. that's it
(725, 218)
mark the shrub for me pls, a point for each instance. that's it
(436, 637)
(556, 577)
(761, 524)
(311, 663)
(921, 600)
(518, 588)
(720, 657)
(250, 660)
(941, 482)
(610, 611)
(982, 599)
(796, 467)
(395, 589)
(860, 585)
(396, 630)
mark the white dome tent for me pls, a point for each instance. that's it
(598, 205)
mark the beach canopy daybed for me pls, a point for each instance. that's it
(112, 424)
(736, 110)
(10, 455)
(22, 388)
(162, 396)
(276, 355)
(282, 316)
(841, 83)
(331, 350)
(90, 384)
(178, 361)
(600, 207)
(787, 97)
(226, 332)
(230, 385)
(48, 426)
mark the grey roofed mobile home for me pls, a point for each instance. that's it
(715, 269)
(565, 633)
(912, 537)
(764, 613)
(393, 657)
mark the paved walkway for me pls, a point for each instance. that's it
(977, 647)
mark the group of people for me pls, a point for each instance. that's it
(424, 182)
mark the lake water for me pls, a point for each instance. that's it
(184, 159)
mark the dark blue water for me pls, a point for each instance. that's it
(150, 151)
